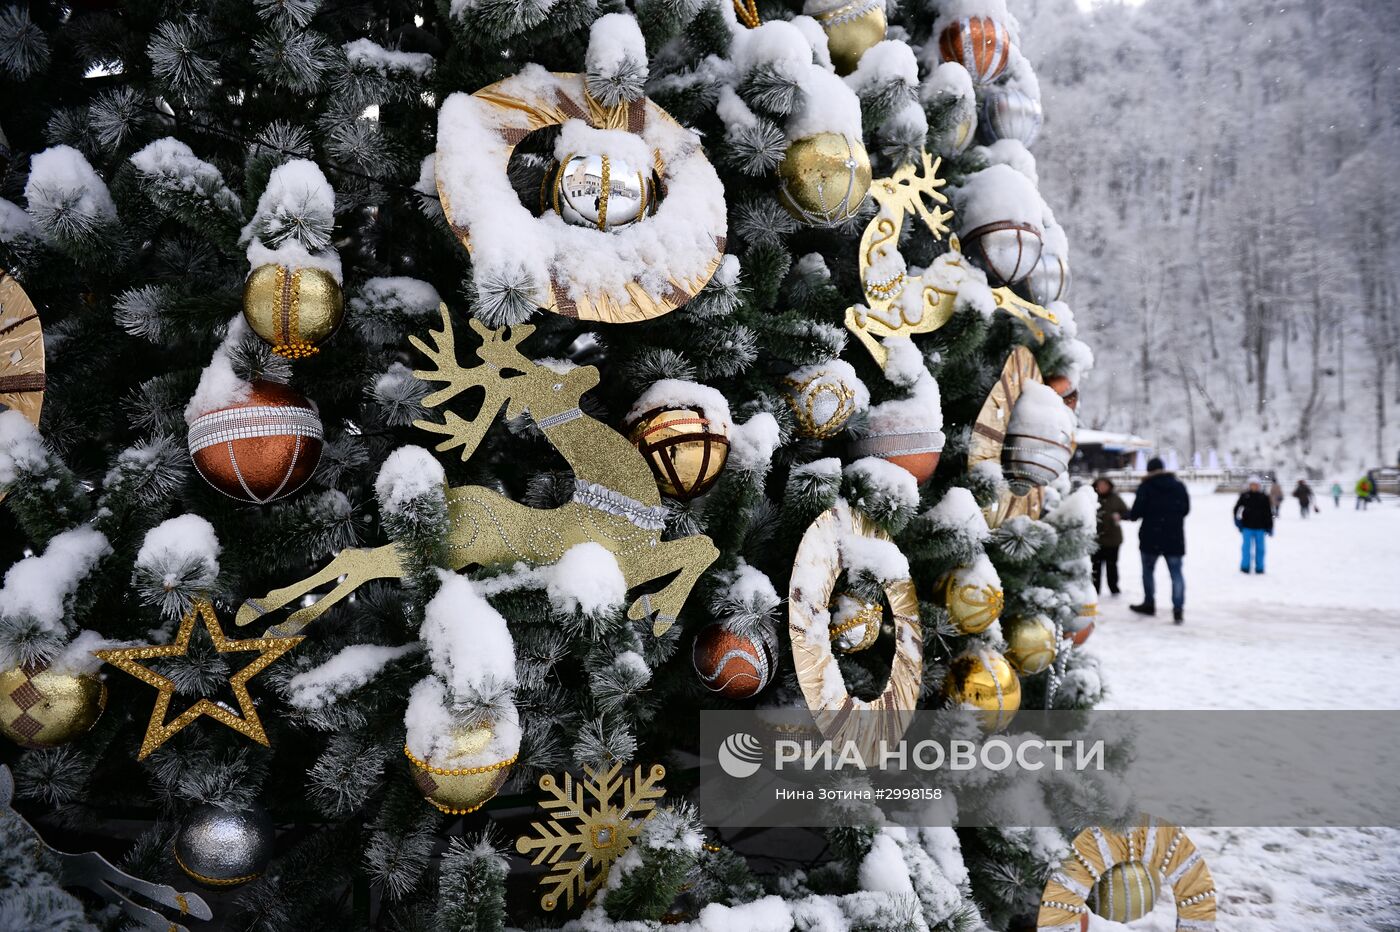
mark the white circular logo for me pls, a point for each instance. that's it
(740, 755)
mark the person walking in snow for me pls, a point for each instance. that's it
(1110, 534)
(1161, 504)
(1336, 495)
(1363, 493)
(1254, 516)
(1304, 494)
(1276, 497)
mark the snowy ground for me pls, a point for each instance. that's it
(1303, 636)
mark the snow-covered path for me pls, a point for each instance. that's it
(1320, 630)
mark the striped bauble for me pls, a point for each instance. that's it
(737, 666)
(978, 43)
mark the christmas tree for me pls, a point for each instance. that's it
(665, 285)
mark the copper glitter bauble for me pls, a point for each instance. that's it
(985, 681)
(823, 178)
(293, 309)
(915, 451)
(852, 27)
(42, 708)
(1030, 644)
(735, 666)
(460, 790)
(1126, 892)
(686, 452)
(262, 448)
(978, 43)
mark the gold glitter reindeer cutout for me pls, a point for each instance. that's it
(615, 503)
(901, 304)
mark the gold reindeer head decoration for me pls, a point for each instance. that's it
(508, 377)
(914, 190)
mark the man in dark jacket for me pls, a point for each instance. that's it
(1161, 504)
(1254, 516)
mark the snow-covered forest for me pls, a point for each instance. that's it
(1226, 170)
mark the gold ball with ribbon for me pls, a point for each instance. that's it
(1030, 644)
(823, 178)
(985, 681)
(43, 708)
(685, 450)
(972, 604)
(294, 309)
(461, 790)
(1126, 892)
(852, 27)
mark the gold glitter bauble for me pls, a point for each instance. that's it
(293, 309)
(1030, 644)
(852, 27)
(460, 790)
(41, 708)
(685, 451)
(972, 605)
(984, 680)
(1126, 892)
(824, 178)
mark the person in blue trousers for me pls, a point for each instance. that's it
(1254, 516)
(1161, 504)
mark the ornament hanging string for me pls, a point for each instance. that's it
(747, 11)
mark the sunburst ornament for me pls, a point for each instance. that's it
(158, 731)
(592, 823)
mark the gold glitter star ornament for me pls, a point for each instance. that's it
(248, 723)
(591, 824)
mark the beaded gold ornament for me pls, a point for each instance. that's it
(158, 731)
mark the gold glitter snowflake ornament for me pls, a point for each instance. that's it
(589, 828)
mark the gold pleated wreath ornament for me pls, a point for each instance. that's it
(990, 430)
(583, 266)
(22, 369)
(1118, 875)
(816, 569)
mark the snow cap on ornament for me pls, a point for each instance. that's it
(292, 297)
(1001, 219)
(948, 89)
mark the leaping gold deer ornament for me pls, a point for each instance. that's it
(615, 502)
(902, 304)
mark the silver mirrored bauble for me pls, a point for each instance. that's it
(222, 848)
(601, 192)
(1006, 251)
(1011, 113)
(1049, 280)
